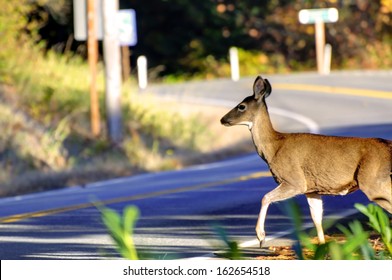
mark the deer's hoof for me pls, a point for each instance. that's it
(261, 238)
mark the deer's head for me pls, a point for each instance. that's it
(245, 112)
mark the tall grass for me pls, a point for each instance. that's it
(45, 114)
(53, 91)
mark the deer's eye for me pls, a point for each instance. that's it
(241, 107)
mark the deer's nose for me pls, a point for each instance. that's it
(225, 121)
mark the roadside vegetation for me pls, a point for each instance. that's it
(46, 139)
(355, 241)
(44, 83)
(268, 34)
(44, 114)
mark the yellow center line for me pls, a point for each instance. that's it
(337, 90)
(19, 217)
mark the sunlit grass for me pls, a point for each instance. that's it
(52, 92)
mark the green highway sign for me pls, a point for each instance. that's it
(318, 15)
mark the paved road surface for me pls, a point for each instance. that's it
(180, 209)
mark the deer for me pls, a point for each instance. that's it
(312, 164)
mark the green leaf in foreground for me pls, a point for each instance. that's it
(121, 229)
(379, 221)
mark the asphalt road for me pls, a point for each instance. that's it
(181, 209)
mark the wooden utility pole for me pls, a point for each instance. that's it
(92, 50)
(111, 49)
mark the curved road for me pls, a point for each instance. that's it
(180, 209)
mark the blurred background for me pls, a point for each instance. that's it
(183, 39)
(46, 140)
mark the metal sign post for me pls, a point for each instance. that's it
(319, 17)
(111, 50)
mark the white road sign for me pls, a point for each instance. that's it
(323, 15)
(127, 27)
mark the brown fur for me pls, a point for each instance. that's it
(314, 165)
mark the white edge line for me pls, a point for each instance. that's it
(311, 125)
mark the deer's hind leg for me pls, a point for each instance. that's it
(316, 211)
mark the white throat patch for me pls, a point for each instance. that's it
(249, 124)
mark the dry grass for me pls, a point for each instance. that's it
(46, 143)
(221, 137)
(37, 158)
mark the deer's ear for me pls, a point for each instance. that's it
(261, 88)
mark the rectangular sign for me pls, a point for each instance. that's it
(126, 23)
(80, 19)
(309, 16)
(127, 27)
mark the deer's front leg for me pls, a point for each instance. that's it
(282, 192)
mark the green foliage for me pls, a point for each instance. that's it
(231, 249)
(251, 63)
(356, 245)
(12, 20)
(191, 42)
(53, 86)
(157, 134)
(48, 106)
(379, 221)
(121, 229)
(255, 62)
(146, 115)
(178, 44)
(268, 27)
(301, 239)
